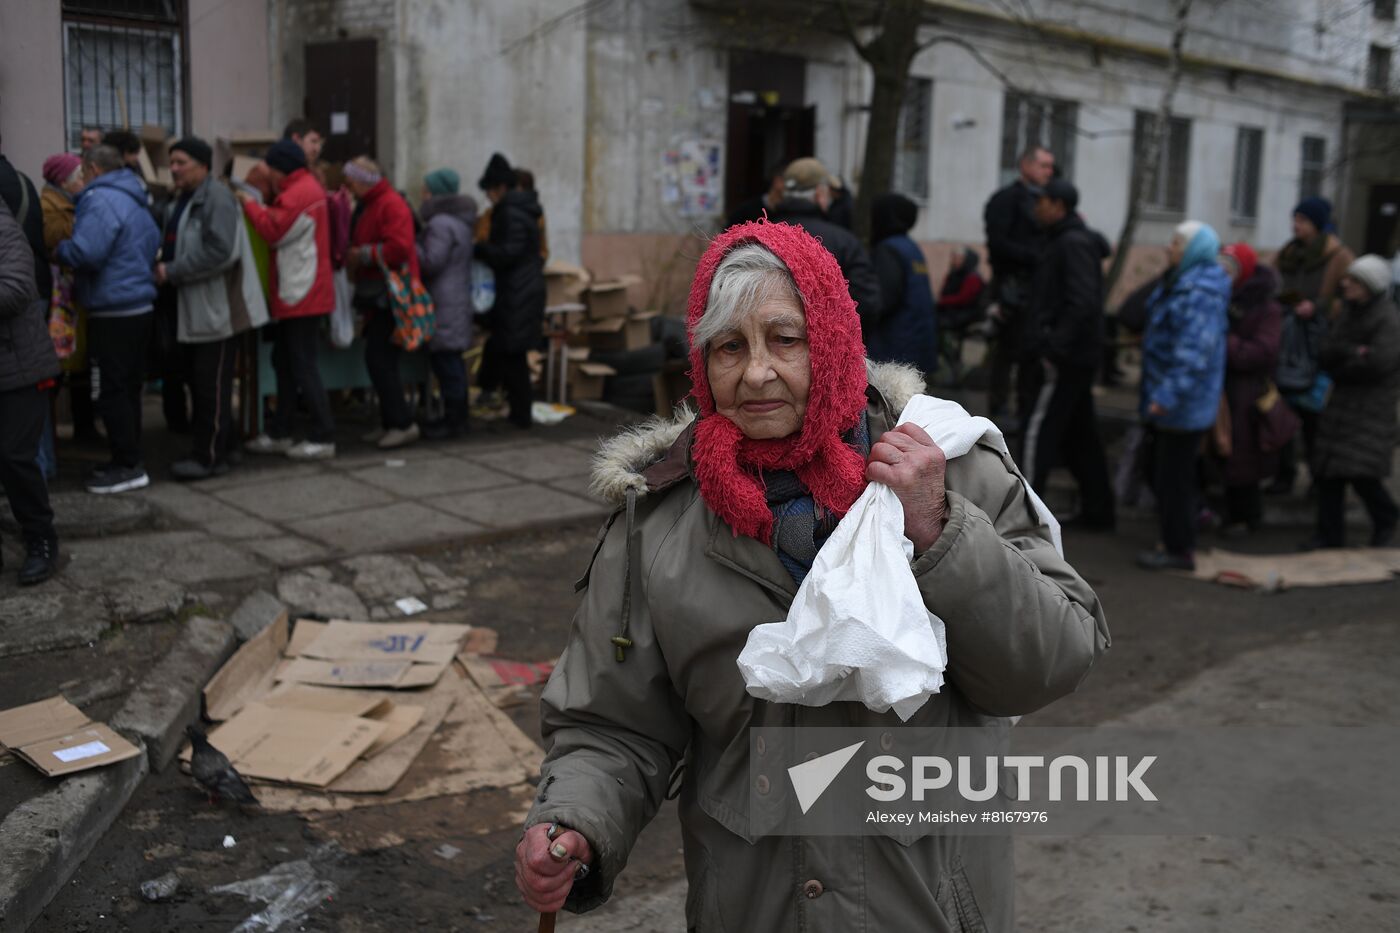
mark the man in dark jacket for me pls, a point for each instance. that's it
(113, 251)
(27, 361)
(1013, 245)
(753, 208)
(807, 195)
(512, 250)
(1065, 332)
(907, 331)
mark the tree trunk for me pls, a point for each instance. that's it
(1149, 155)
(890, 53)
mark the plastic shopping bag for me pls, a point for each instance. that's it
(343, 317)
(858, 628)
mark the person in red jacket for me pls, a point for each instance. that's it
(381, 232)
(297, 227)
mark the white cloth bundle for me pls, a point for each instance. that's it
(858, 628)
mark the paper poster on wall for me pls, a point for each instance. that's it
(340, 123)
(691, 177)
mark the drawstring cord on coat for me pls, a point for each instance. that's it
(629, 583)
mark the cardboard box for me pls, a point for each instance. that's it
(397, 655)
(56, 737)
(297, 746)
(609, 299)
(620, 333)
(565, 283)
(586, 379)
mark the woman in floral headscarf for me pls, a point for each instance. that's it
(720, 514)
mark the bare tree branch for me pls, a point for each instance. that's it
(852, 33)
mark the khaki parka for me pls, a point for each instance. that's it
(1023, 629)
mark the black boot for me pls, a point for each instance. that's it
(40, 561)
(453, 424)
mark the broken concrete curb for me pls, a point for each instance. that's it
(45, 839)
(169, 698)
(257, 611)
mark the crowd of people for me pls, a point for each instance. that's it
(128, 283)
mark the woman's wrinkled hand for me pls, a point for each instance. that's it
(910, 463)
(545, 869)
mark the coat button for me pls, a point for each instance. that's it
(812, 889)
(886, 741)
(760, 745)
(761, 784)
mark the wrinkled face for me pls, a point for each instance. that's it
(1176, 249)
(1354, 291)
(760, 373)
(1304, 229)
(1039, 168)
(187, 173)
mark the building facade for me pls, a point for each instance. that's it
(644, 121)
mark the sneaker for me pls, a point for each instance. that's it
(40, 561)
(191, 470)
(1165, 560)
(399, 437)
(372, 437)
(310, 450)
(112, 478)
(265, 444)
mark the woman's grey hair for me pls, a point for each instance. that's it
(746, 277)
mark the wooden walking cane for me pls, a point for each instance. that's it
(547, 922)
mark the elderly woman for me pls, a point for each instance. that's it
(720, 518)
(1356, 431)
(1183, 373)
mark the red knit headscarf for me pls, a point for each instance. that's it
(728, 464)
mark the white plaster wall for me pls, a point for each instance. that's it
(230, 74)
(463, 93)
(31, 83)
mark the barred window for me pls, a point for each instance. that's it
(1168, 192)
(912, 153)
(1037, 121)
(1313, 167)
(1249, 157)
(122, 65)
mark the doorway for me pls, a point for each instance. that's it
(342, 96)
(1382, 218)
(769, 122)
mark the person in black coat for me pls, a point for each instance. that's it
(26, 361)
(18, 192)
(1065, 334)
(1014, 239)
(753, 208)
(512, 250)
(807, 195)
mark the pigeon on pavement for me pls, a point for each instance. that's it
(213, 771)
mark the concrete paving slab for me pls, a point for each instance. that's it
(46, 838)
(304, 497)
(50, 616)
(189, 504)
(576, 486)
(83, 515)
(285, 550)
(432, 477)
(376, 457)
(404, 524)
(186, 557)
(242, 529)
(169, 697)
(527, 463)
(525, 504)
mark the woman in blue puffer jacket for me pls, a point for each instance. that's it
(1183, 372)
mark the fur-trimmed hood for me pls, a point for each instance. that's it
(622, 461)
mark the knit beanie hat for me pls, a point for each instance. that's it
(1245, 258)
(59, 168)
(498, 172)
(442, 181)
(1373, 272)
(728, 465)
(285, 156)
(195, 148)
(1317, 210)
